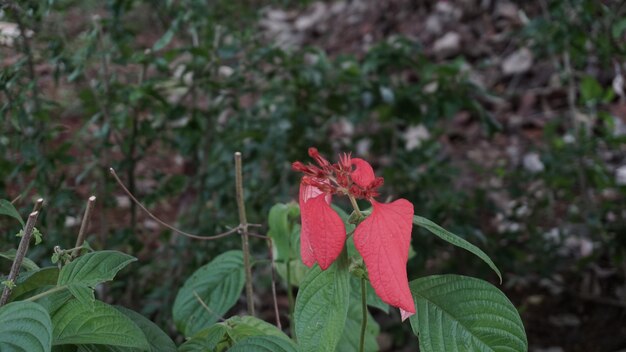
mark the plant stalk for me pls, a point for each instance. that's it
(364, 319)
(243, 225)
(46, 293)
(19, 256)
(355, 206)
(84, 226)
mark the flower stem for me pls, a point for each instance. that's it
(364, 320)
(355, 206)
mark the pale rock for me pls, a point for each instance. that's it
(363, 146)
(70, 221)
(307, 21)
(122, 201)
(620, 175)
(447, 11)
(276, 15)
(508, 10)
(518, 62)
(569, 139)
(225, 71)
(414, 136)
(448, 45)
(433, 24)
(533, 163)
(9, 32)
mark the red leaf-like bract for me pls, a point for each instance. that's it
(363, 173)
(383, 239)
(323, 233)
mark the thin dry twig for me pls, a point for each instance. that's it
(243, 226)
(163, 223)
(19, 256)
(84, 226)
(38, 204)
(276, 313)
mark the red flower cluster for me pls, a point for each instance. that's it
(383, 238)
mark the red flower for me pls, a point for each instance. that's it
(383, 238)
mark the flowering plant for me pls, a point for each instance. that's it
(446, 311)
(383, 238)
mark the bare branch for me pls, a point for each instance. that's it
(19, 256)
(163, 223)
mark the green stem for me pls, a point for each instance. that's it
(355, 206)
(290, 298)
(44, 294)
(364, 320)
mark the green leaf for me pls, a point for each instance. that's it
(590, 90)
(455, 240)
(159, 341)
(280, 230)
(77, 323)
(32, 281)
(459, 313)
(322, 307)
(82, 293)
(246, 326)
(25, 327)
(351, 338)
(27, 264)
(285, 234)
(83, 274)
(221, 336)
(218, 284)
(209, 339)
(6, 208)
(94, 268)
(264, 344)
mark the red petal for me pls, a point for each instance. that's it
(323, 233)
(383, 239)
(363, 174)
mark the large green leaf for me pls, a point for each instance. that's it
(25, 327)
(6, 208)
(459, 313)
(455, 240)
(322, 307)
(208, 339)
(285, 234)
(221, 336)
(246, 326)
(30, 282)
(83, 274)
(218, 284)
(27, 264)
(98, 323)
(281, 230)
(158, 340)
(264, 344)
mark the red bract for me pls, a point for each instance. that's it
(383, 238)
